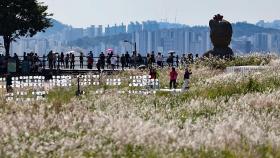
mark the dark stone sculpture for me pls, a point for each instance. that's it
(220, 34)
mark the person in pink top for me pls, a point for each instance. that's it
(173, 78)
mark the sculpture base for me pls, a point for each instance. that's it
(220, 52)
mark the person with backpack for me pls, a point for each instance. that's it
(173, 78)
(186, 79)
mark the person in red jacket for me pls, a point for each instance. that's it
(173, 78)
(153, 73)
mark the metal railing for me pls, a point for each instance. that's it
(43, 62)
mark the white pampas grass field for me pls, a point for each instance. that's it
(222, 115)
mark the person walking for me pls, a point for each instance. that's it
(50, 60)
(108, 60)
(153, 76)
(67, 61)
(17, 62)
(90, 61)
(98, 65)
(190, 58)
(44, 61)
(62, 60)
(183, 60)
(72, 61)
(173, 78)
(170, 60)
(113, 62)
(102, 60)
(91, 54)
(58, 61)
(149, 61)
(118, 61)
(54, 60)
(153, 59)
(153, 73)
(159, 60)
(81, 60)
(139, 59)
(123, 61)
(134, 59)
(127, 60)
(186, 79)
(177, 61)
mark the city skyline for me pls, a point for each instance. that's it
(149, 37)
(84, 13)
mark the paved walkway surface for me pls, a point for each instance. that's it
(170, 90)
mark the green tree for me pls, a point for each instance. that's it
(20, 18)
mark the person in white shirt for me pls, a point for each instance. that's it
(113, 62)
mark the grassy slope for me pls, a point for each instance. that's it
(221, 116)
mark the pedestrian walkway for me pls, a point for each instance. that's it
(170, 90)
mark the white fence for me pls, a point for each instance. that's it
(32, 88)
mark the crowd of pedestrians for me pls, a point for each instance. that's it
(31, 62)
(113, 61)
(55, 61)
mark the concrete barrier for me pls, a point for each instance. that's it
(245, 69)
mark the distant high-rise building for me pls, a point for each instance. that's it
(71, 34)
(41, 47)
(99, 31)
(150, 26)
(248, 47)
(90, 31)
(121, 29)
(241, 45)
(261, 42)
(274, 43)
(134, 27)
(115, 30)
(108, 31)
(141, 39)
(183, 40)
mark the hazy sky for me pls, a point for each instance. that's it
(83, 13)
